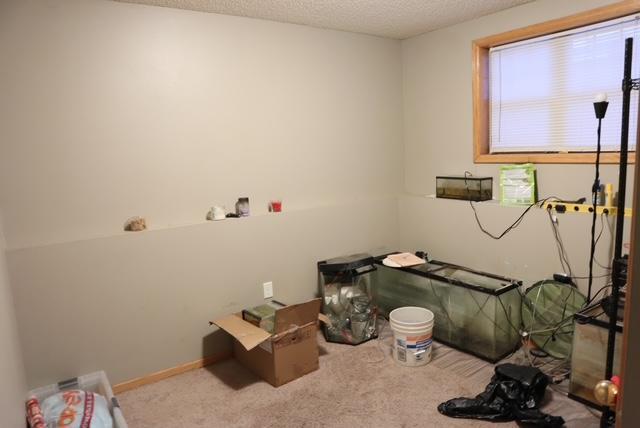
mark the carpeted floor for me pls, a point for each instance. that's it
(355, 387)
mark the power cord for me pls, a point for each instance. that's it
(597, 293)
(562, 253)
(595, 260)
(513, 225)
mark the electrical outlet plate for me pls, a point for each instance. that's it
(267, 289)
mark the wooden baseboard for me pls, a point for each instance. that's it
(163, 374)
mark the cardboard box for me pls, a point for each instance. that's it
(287, 354)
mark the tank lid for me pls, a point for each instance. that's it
(346, 263)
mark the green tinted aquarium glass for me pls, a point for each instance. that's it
(475, 312)
(589, 353)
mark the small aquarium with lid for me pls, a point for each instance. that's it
(345, 287)
(468, 188)
(476, 312)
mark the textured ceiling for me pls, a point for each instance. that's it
(397, 19)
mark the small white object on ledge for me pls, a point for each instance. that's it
(216, 213)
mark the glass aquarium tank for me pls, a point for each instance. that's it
(469, 188)
(345, 287)
(589, 355)
(476, 312)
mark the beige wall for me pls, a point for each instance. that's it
(120, 109)
(112, 110)
(140, 303)
(13, 386)
(438, 141)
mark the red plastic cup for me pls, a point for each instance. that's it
(275, 206)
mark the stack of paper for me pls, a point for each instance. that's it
(402, 260)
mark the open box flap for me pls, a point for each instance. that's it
(324, 319)
(297, 315)
(246, 333)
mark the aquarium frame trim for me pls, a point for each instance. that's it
(511, 283)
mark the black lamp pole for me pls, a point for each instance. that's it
(618, 278)
(600, 107)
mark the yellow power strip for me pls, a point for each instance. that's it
(583, 208)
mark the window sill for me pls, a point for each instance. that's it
(557, 158)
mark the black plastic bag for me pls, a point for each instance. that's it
(514, 394)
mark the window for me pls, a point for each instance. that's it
(534, 88)
(541, 90)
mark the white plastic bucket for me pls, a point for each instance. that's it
(412, 335)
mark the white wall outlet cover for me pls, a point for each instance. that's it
(267, 289)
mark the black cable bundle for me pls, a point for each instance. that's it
(513, 225)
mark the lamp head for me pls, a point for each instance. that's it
(600, 105)
(600, 97)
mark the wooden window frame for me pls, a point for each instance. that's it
(480, 53)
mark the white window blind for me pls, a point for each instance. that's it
(542, 89)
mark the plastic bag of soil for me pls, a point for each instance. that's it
(514, 394)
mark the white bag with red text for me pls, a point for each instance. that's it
(77, 409)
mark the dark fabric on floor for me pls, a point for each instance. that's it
(515, 393)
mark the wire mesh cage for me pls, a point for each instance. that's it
(548, 308)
